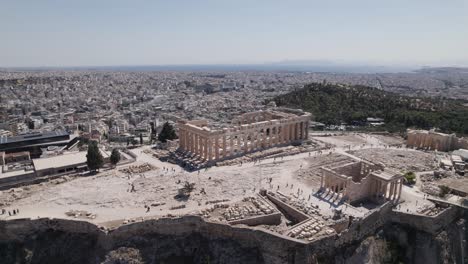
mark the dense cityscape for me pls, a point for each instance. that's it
(233, 132)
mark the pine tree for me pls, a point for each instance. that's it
(167, 133)
(94, 159)
(115, 157)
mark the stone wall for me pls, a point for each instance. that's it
(297, 215)
(270, 219)
(429, 224)
(59, 240)
(357, 191)
(435, 141)
(366, 226)
(175, 232)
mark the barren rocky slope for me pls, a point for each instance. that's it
(190, 240)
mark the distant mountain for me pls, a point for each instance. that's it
(283, 66)
(433, 70)
(335, 103)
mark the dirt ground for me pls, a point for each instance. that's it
(116, 194)
(399, 159)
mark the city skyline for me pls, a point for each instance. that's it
(55, 34)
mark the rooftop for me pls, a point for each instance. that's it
(68, 159)
(32, 136)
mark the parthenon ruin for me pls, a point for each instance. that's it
(432, 140)
(248, 133)
(361, 180)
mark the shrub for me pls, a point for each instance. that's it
(410, 177)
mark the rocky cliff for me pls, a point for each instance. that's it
(191, 240)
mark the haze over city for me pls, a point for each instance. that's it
(110, 33)
(253, 132)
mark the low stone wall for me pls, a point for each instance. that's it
(13, 179)
(130, 153)
(366, 226)
(291, 211)
(273, 247)
(270, 219)
(429, 224)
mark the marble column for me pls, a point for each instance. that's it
(197, 145)
(217, 148)
(190, 141)
(291, 132)
(224, 146)
(399, 191)
(210, 148)
(181, 138)
(244, 142)
(270, 136)
(186, 140)
(392, 187)
(205, 149)
(247, 141)
(231, 145)
(377, 189)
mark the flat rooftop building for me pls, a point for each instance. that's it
(33, 142)
(63, 163)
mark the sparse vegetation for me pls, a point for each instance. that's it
(115, 157)
(444, 190)
(167, 133)
(185, 191)
(410, 177)
(94, 159)
(333, 104)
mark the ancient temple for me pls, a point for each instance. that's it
(248, 133)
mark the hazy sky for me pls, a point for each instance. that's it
(132, 32)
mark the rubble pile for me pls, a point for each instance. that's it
(397, 159)
(310, 229)
(431, 210)
(138, 168)
(255, 206)
(80, 214)
(300, 204)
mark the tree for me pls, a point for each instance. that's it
(444, 190)
(115, 157)
(410, 177)
(167, 133)
(94, 159)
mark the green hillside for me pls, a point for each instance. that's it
(334, 104)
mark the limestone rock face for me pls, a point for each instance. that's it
(124, 255)
(191, 240)
(370, 251)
